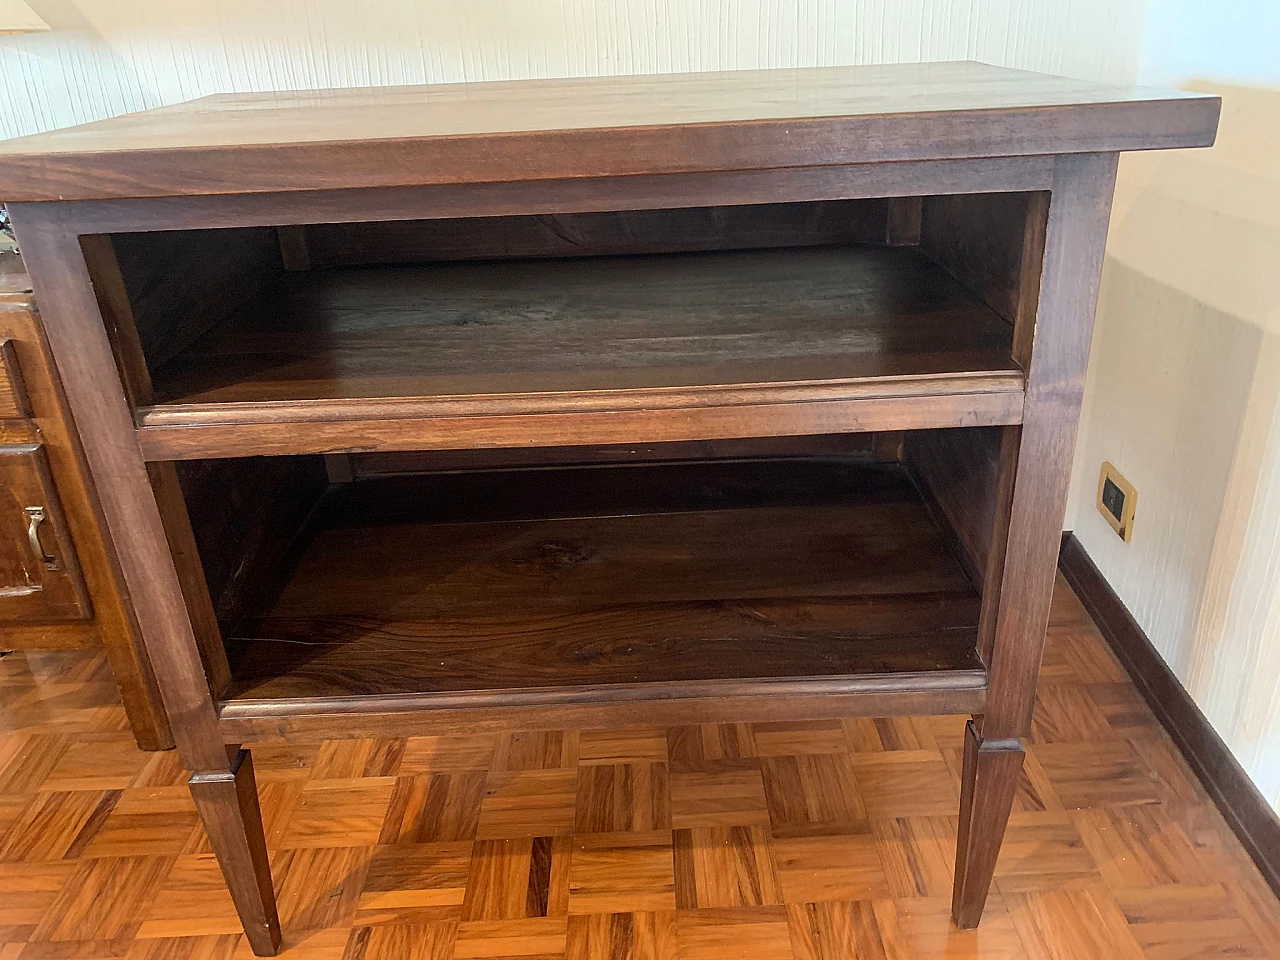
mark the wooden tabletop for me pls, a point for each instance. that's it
(599, 126)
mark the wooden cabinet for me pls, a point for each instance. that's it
(58, 583)
(581, 402)
(39, 573)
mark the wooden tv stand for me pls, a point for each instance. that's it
(665, 400)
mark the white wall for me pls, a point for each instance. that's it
(106, 57)
(1184, 392)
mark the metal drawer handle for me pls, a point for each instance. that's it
(35, 517)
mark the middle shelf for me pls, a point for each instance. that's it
(648, 348)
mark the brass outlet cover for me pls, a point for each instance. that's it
(1114, 491)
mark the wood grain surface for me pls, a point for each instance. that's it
(784, 841)
(600, 126)
(644, 576)
(494, 328)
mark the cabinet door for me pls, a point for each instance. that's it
(39, 576)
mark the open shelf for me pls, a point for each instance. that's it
(805, 583)
(813, 339)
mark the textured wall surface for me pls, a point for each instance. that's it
(1184, 397)
(105, 57)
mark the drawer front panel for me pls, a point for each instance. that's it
(39, 574)
(13, 396)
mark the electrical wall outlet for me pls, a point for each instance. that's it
(1117, 501)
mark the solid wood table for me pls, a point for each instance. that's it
(673, 399)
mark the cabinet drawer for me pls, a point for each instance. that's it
(39, 575)
(13, 396)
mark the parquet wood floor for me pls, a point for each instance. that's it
(798, 841)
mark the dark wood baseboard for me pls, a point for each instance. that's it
(1246, 810)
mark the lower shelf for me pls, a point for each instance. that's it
(658, 592)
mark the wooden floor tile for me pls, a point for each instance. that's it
(353, 759)
(414, 884)
(760, 933)
(536, 750)
(622, 796)
(339, 813)
(810, 791)
(447, 754)
(844, 867)
(878, 734)
(905, 783)
(710, 741)
(790, 739)
(1067, 713)
(622, 936)
(1181, 922)
(725, 867)
(631, 745)
(718, 793)
(1042, 851)
(611, 871)
(1078, 921)
(1140, 846)
(838, 930)
(433, 808)
(917, 855)
(540, 938)
(517, 879)
(393, 941)
(215, 947)
(104, 899)
(27, 891)
(143, 821)
(745, 840)
(1092, 774)
(51, 824)
(320, 887)
(930, 935)
(528, 803)
(192, 901)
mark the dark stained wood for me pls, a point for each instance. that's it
(186, 559)
(904, 221)
(979, 238)
(623, 232)
(295, 252)
(39, 573)
(245, 514)
(381, 464)
(574, 195)
(776, 316)
(13, 392)
(228, 805)
(497, 581)
(1246, 810)
(864, 329)
(675, 416)
(958, 472)
(180, 284)
(1023, 560)
(1074, 244)
(113, 625)
(596, 127)
(988, 783)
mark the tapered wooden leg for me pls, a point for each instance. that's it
(227, 801)
(990, 780)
